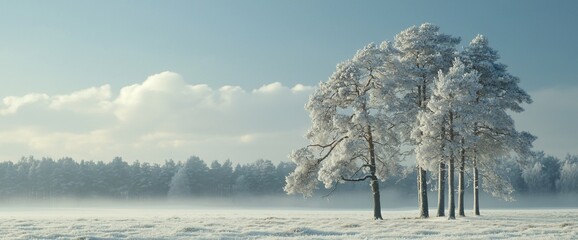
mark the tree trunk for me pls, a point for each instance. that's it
(461, 186)
(374, 182)
(441, 190)
(376, 198)
(421, 173)
(476, 187)
(451, 199)
(422, 193)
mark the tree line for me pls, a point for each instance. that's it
(45, 178)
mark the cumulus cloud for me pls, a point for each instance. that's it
(302, 88)
(269, 88)
(13, 103)
(162, 117)
(95, 99)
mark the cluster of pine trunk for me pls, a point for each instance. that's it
(446, 172)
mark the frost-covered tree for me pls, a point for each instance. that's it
(221, 178)
(496, 82)
(179, 186)
(65, 177)
(168, 170)
(499, 94)
(511, 170)
(352, 137)
(193, 175)
(117, 174)
(569, 175)
(262, 178)
(444, 132)
(197, 171)
(542, 174)
(423, 51)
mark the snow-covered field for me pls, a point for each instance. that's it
(173, 223)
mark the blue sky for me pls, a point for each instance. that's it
(58, 48)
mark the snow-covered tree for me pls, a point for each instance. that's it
(179, 186)
(352, 137)
(569, 175)
(423, 51)
(496, 82)
(542, 175)
(444, 132)
(511, 171)
(221, 178)
(262, 178)
(499, 94)
(168, 170)
(193, 175)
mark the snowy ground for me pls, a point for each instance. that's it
(147, 223)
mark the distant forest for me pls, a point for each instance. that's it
(46, 178)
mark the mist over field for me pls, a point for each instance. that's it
(392, 200)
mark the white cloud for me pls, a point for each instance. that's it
(12, 103)
(301, 88)
(269, 88)
(95, 99)
(160, 118)
(230, 94)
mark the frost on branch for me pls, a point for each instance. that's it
(304, 179)
(496, 81)
(446, 127)
(353, 135)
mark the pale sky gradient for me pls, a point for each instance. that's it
(153, 80)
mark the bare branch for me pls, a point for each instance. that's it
(330, 192)
(332, 146)
(356, 179)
